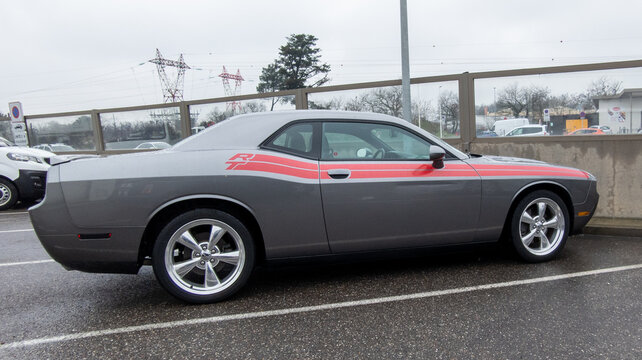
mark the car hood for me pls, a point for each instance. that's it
(514, 160)
(27, 151)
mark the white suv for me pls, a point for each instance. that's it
(23, 173)
(529, 130)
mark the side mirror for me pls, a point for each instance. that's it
(437, 156)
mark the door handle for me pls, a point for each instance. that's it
(339, 173)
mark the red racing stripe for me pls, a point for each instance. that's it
(285, 161)
(528, 168)
(278, 169)
(390, 166)
(381, 170)
(382, 174)
(523, 173)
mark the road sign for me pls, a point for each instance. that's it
(15, 111)
(547, 115)
(18, 126)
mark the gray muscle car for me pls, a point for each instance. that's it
(298, 184)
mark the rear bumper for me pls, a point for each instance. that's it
(117, 253)
(31, 184)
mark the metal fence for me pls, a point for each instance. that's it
(450, 106)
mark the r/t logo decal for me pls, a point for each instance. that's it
(237, 160)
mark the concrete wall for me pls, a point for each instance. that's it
(616, 161)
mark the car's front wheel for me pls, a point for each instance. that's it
(8, 194)
(540, 226)
(203, 256)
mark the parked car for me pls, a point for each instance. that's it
(153, 145)
(587, 131)
(22, 173)
(197, 129)
(604, 128)
(54, 147)
(485, 133)
(280, 185)
(5, 142)
(529, 130)
(503, 127)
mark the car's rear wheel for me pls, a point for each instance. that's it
(540, 226)
(203, 256)
(8, 194)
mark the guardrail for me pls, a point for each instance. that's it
(464, 83)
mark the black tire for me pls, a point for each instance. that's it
(549, 232)
(8, 194)
(171, 257)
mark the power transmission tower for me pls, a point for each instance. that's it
(172, 90)
(232, 105)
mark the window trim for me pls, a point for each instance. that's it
(317, 131)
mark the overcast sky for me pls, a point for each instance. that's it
(75, 55)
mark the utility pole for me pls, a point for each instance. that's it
(405, 65)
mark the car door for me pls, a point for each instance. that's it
(380, 191)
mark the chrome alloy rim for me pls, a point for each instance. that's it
(204, 256)
(5, 194)
(541, 226)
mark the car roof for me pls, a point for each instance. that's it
(249, 130)
(530, 126)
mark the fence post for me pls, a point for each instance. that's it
(301, 99)
(466, 110)
(186, 122)
(98, 132)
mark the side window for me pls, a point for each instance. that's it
(369, 141)
(340, 145)
(294, 139)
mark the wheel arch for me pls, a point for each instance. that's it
(172, 208)
(555, 187)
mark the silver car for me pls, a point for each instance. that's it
(529, 130)
(294, 184)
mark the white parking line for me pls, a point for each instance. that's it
(14, 231)
(26, 262)
(14, 213)
(306, 309)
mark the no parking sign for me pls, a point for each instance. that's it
(18, 126)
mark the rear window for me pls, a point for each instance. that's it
(296, 139)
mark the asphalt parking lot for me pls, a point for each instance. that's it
(468, 305)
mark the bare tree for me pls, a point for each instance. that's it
(514, 98)
(531, 101)
(538, 100)
(449, 106)
(379, 100)
(385, 101)
(600, 87)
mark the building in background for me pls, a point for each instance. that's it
(621, 112)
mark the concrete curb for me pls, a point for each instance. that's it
(615, 227)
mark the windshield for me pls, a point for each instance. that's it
(439, 142)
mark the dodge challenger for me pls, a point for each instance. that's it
(298, 184)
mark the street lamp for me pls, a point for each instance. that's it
(494, 105)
